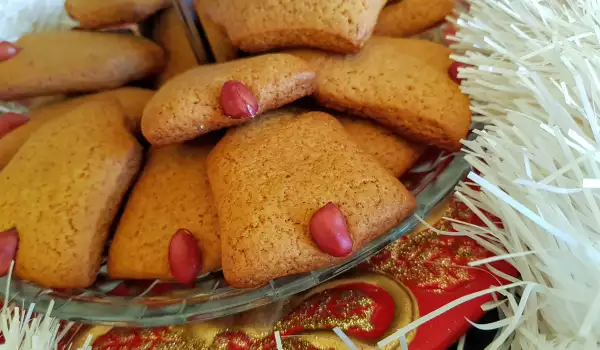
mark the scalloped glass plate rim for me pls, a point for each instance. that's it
(162, 311)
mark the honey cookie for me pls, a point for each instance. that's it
(99, 14)
(393, 152)
(172, 193)
(77, 61)
(222, 48)
(62, 190)
(170, 34)
(270, 176)
(426, 51)
(407, 94)
(133, 100)
(410, 17)
(262, 25)
(190, 104)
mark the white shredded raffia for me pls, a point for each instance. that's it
(278, 340)
(24, 331)
(347, 341)
(534, 79)
(18, 17)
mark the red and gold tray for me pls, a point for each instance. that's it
(408, 279)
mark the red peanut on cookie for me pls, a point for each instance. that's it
(11, 121)
(8, 50)
(9, 240)
(185, 258)
(453, 71)
(329, 230)
(238, 101)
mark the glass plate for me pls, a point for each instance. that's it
(156, 303)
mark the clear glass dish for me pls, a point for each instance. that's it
(154, 303)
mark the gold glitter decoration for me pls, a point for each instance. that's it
(429, 261)
(345, 309)
(298, 344)
(148, 339)
(227, 338)
(422, 259)
(287, 344)
(180, 340)
(407, 310)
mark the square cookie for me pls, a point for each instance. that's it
(270, 176)
(408, 93)
(262, 25)
(172, 193)
(62, 190)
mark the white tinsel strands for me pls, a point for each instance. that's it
(26, 16)
(24, 330)
(535, 78)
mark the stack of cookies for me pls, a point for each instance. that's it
(282, 157)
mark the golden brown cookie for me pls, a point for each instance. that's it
(98, 14)
(169, 33)
(172, 193)
(133, 100)
(62, 190)
(222, 48)
(270, 176)
(393, 152)
(426, 51)
(403, 92)
(76, 61)
(262, 25)
(188, 105)
(434, 54)
(410, 17)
